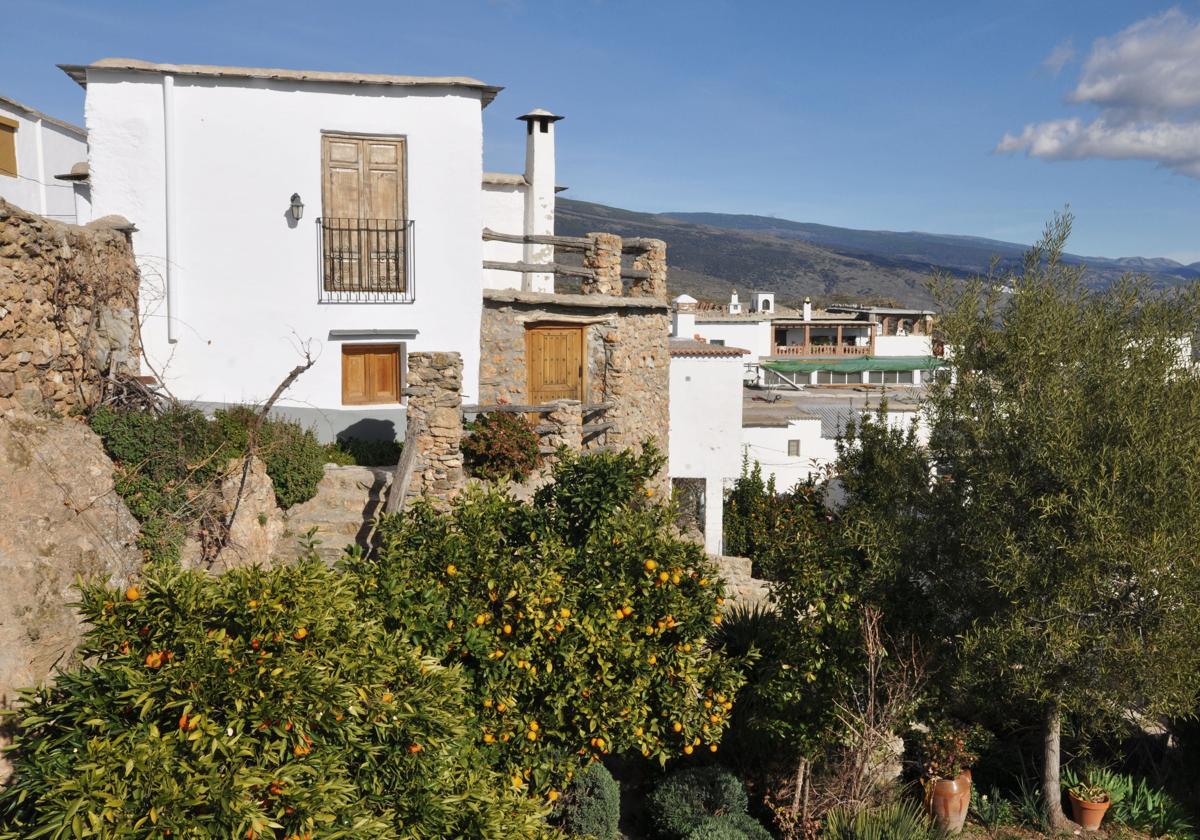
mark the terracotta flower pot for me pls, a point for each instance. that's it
(1087, 814)
(949, 800)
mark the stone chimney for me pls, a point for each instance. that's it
(683, 323)
(539, 195)
(735, 306)
(807, 309)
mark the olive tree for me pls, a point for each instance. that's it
(1067, 445)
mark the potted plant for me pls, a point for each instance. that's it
(1089, 803)
(946, 751)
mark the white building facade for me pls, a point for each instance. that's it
(35, 149)
(282, 210)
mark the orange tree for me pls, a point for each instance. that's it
(256, 704)
(581, 618)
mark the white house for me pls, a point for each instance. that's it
(40, 159)
(838, 345)
(706, 419)
(283, 209)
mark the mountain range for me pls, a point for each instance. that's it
(711, 254)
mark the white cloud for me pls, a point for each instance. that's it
(1059, 58)
(1145, 81)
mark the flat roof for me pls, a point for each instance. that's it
(39, 115)
(78, 72)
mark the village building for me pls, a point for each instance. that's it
(43, 164)
(706, 417)
(837, 345)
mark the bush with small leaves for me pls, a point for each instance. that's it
(501, 446)
(685, 799)
(729, 827)
(252, 705)
(584, 625)
(591, 806)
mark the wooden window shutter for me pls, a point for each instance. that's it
(363, 204)
(372, 374)
(8, 146)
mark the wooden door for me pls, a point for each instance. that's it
(371, 373)
(363, 212)
(554, 359)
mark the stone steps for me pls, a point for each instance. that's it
(347, 499)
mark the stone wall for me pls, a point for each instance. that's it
(68, 309)
(435, 423)
(741, 587)
(627, 357)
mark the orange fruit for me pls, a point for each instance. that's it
(300, 633)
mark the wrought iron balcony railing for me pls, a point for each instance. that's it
(366, 260)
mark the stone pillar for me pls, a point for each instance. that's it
(654, 260)
(435, 420)
(603, 257)
(567, 422)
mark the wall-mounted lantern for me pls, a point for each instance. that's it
(297, 207)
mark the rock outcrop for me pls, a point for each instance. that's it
(60, 520)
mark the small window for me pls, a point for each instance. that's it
(717, 342)
(890, 377)
(8, 147)
(766, 304)
(837, 377)
(372, 374)
(793, 448)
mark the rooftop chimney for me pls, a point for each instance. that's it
(684, 320)
(539, 195)
(735, 306)
(807, 309)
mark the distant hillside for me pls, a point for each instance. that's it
(712, 253)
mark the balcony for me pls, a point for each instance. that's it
(366, 261)
(814, 351)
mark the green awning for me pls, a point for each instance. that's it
(854, 364)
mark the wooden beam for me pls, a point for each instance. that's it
(590, 429)
(635, 273)
(570, 242)
(540, 268)
(510, 409)
(638, 243)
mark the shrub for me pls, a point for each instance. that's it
(591, 806)
(583, 626)
(685, 799)
(902, 820)
(255, 704)
(729, 827)
(991, 808)
(349, 451)
(167, 463)
(293, 457)
(502, 446)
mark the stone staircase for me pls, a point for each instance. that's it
(347, 500)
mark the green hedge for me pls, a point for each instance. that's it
(688, 799)
(591, 806)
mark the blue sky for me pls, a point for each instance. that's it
(859, 114)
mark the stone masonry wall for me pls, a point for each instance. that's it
(627, 359)
(435, 423)
(68, 309)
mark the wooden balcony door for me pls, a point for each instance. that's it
(363, 213)
(554, 360)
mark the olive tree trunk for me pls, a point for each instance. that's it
(1051, 764)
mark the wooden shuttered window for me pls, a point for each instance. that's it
(372, 374)
(8, 147)
(363, 213)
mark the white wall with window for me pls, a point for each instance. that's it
(34, 147)
(204, 161)
(752, 335)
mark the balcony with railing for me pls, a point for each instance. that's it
(366, 261)
(822, 350)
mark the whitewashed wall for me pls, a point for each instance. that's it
(44, 150)
(503, 211)
(754, 336)
(768, 445)
(705, 431)
(903, 345)
(245, 279)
